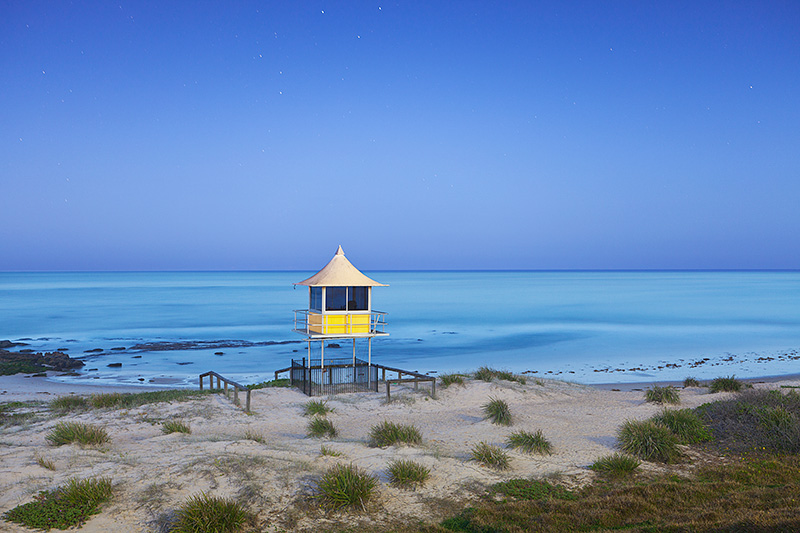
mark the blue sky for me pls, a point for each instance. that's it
(418, 135)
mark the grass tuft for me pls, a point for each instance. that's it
(451, 379)
(84, 434)
(662, 395)
(64, 507)
(530, 442)
(321, 427)
(345, 486)
(45, 463)
(118, 400)
(204, 513)
(407, 474)
(685, 424)
(326, 450)
(616, 465)
(490, 456)
(690, 382)
(648, 441)
(254, 436)
(69, 403)
(727, 384)
(531, 489)
(488, 374)
(283, 382)
(316, 407)
(497, 412)
(175, 426)
(391, 434)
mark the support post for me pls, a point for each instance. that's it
(201, 382)
(388, 394)
(369, 363)
(236, 395)
(247, 409)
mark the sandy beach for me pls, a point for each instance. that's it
(154, 473)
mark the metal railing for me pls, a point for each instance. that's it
(349, 375)
(227, 382)
(350, 327)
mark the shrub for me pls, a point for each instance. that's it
(497, 412)
(484, 374)
(175, 426)
(389, 434)
(204, 513)
(450, 379)
(728, 384)
(45, 463)
(490, 456)
(648, 441)
(321, 427)
(616, 465)
(690, 382)
(530, 442)
(344, 486)
(531, 489)
(283, 382)
(63, 507)
(69, 403)
(84, 434)
(316, 407)
(755, 421)
(405, 473)
(662, 395)
(685, 424)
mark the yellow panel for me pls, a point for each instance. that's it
(338, 324)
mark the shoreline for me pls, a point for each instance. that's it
(20, 387)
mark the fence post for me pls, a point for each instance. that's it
(236, 395)
(388, 394)
(201, 381)
(433, 388)
(247, 409)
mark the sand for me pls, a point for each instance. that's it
(154, 473)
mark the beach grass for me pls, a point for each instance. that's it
(70, 403)
(45, 463)
(391, 434)
(616, 465)
(319, 427)
(685, 424)
(490, 456)
(725, 384)
(84, 434)
(755, 421)
(485, 373)
(405, 473)
(316, 408)
(175, 426)
(118, 400)
(530, 442)
(648, 441)
(345, 486)
(662, 395)
(531, 489)
(328, 451)
(451, 379)
(758, 495)
(497, 411)
(283, 382)
(9, 415)
(254, 436)
(204, 513)
(65, 507)
(691, 382)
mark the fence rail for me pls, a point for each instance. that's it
(227, 382)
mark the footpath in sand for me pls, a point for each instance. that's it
(155, 473)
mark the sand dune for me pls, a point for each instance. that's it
(155, 473)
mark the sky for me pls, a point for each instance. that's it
(417, 135)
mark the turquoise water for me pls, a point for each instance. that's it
(585, 326)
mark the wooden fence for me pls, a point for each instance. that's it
(224, 384)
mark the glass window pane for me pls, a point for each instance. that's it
(336, 298)
(315, 298)
(358, 299)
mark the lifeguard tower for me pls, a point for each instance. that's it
(339, 308)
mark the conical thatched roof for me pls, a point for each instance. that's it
(339, 272)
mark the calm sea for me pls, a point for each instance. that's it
(591, 327)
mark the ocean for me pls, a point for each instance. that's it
(589, 327)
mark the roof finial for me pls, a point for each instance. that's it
(340, 251)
